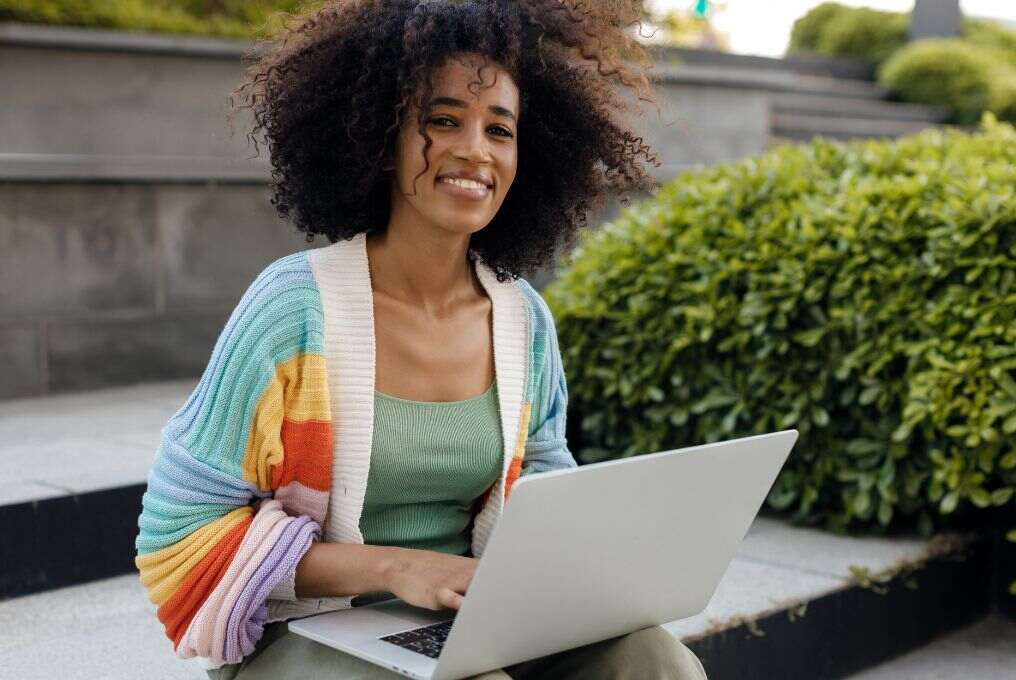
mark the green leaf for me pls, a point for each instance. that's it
(901, 433)
(1001, 496)
(811, 337)
(1006, 382)
(861, 502)
(862, 447)
(980, 497)
(885, 513)
(948, 503)
(1009, 426)
(869, 395)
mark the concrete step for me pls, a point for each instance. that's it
(775, 80)
(803, 127)
(16, 167)
(808, 104)
(834, 67)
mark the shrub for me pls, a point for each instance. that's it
(807, 30)
(991, 34)
(864, 34)
(861, 292)
(839, 31)
(222, 18)
(967, 78)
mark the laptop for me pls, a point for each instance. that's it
(578, 556)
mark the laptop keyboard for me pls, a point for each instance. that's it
(426, 640)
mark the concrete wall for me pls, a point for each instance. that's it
(104, 284)
(131, 221)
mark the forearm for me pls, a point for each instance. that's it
(344, 569)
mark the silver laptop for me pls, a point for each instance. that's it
(579, 555)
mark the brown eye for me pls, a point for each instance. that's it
(507, 133)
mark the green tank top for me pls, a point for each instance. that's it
(429, 461)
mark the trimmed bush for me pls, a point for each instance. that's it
(967, 78)
(991, 34)
(221, 18)
(807, 30)
(864, 34)
(840, 31)
(861, 292)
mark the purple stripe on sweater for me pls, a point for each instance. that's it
(246, 621)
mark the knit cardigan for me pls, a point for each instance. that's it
(271, 450)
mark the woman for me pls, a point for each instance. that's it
(369, 404)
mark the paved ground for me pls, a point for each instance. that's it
(109, 630)
(52, 446)
(985, 650)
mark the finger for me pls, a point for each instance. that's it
(449, 598)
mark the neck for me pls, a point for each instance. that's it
(430, 270)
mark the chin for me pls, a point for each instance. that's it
(459, 225)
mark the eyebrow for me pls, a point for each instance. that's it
(452, 101)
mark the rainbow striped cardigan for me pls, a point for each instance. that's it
(271, 451)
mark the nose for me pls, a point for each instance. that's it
(472, 144)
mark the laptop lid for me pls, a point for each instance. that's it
(589, 553)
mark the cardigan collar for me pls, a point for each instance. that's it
(343, 278)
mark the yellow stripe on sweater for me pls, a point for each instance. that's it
(298, 392)
(163, 571)
(523, 433)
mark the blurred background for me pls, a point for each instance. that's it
(832, 251)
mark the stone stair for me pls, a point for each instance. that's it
(811, 96)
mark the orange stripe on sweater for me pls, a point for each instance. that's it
(307, 458)
(177, 612)
(514, 471)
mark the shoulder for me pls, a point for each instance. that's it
(286, 282)
(283, 304)
(539, 311)
(534, 301)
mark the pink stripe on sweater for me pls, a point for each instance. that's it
(206, 634)
(299, 499)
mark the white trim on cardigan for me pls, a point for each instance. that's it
(343, 278)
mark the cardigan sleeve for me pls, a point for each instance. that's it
(546, 444)
(240, 481)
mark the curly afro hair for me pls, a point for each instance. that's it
(327, 95)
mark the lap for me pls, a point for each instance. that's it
(648, 653)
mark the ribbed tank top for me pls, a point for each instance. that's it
(429, 461)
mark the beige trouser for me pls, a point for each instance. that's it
(648, 654)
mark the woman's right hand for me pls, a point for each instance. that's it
(430, 579)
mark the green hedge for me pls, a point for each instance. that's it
(837, 30)
(840, 31)
(863, 293)
(243, 19)
(968, 75)
(807, 30)
(967, 78)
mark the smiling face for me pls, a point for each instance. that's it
(473, 134)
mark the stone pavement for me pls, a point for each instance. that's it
(985, 650)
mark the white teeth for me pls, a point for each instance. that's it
(465, 183)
